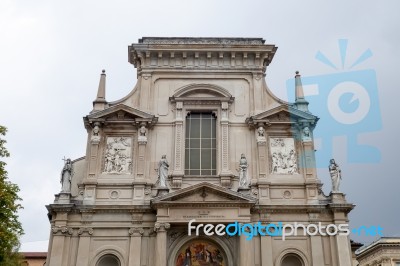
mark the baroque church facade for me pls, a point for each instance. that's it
(200, 137)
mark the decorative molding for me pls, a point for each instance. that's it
(87, 230)
(161, 227)
(191, 41)
(62, 229)
(136, 231)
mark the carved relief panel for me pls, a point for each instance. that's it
(118, 155)
(283, 155)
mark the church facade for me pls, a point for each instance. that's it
(199, 143)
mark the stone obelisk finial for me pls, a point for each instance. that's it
(100, 102)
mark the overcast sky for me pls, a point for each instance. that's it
(52, 52)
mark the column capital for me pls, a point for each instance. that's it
(161, 227)
(136, 231)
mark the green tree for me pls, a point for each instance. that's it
(10, 227)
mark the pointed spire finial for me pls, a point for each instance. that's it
(300, 100)
(100, 102)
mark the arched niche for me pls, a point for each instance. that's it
(201, 251)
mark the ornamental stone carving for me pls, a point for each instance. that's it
(306, 134)
(261, 135)
(142, 136)
(95, 138)
(88, 230)
(118, 154)
(284, 158)
(160, 227)
(136, 231)
(64, 230)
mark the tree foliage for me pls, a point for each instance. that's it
(10, 227)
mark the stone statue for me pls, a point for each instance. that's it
(66, 176)
(306, 134)
(336, 175)
(163, 171)
(142, 131)
(243, 180)
(261, 132)
(95, 134)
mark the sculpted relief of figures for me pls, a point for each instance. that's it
(118, 154)
(284, 158)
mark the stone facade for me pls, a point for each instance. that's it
(383, 252)
(117, 213)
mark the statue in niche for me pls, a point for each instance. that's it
(243, 180)
(163, 171)
(95, 133)
(306, 134)
(66, 176)
(336, 175)
(117, 159)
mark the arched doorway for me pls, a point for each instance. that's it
(108, 260)
(292, 260)
(200, 252)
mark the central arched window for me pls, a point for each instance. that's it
(292, 260)
(200, 144)
(108, 260)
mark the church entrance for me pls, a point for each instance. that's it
(200, 252)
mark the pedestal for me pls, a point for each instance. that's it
(337, 197)
(162, 191)
(244, 190)
(64, 198)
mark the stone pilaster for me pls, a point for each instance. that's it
(266, 251)
(142, 141)
(317, 250)
(84, 246)
(343, 249)
(226, 174)
(135, 246)
(246, 251)
(59, 247)
(161, 243)
(178, 162)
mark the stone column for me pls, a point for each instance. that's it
(246, 251)
(161, 243)
(84, 246)
(177, 173)
(266, 251)
(135, 247)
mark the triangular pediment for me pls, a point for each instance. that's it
(122, 113)
(204, 193)
(282, 114)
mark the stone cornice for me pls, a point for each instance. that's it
(202, 41)
(213, 54)
(283, 114)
